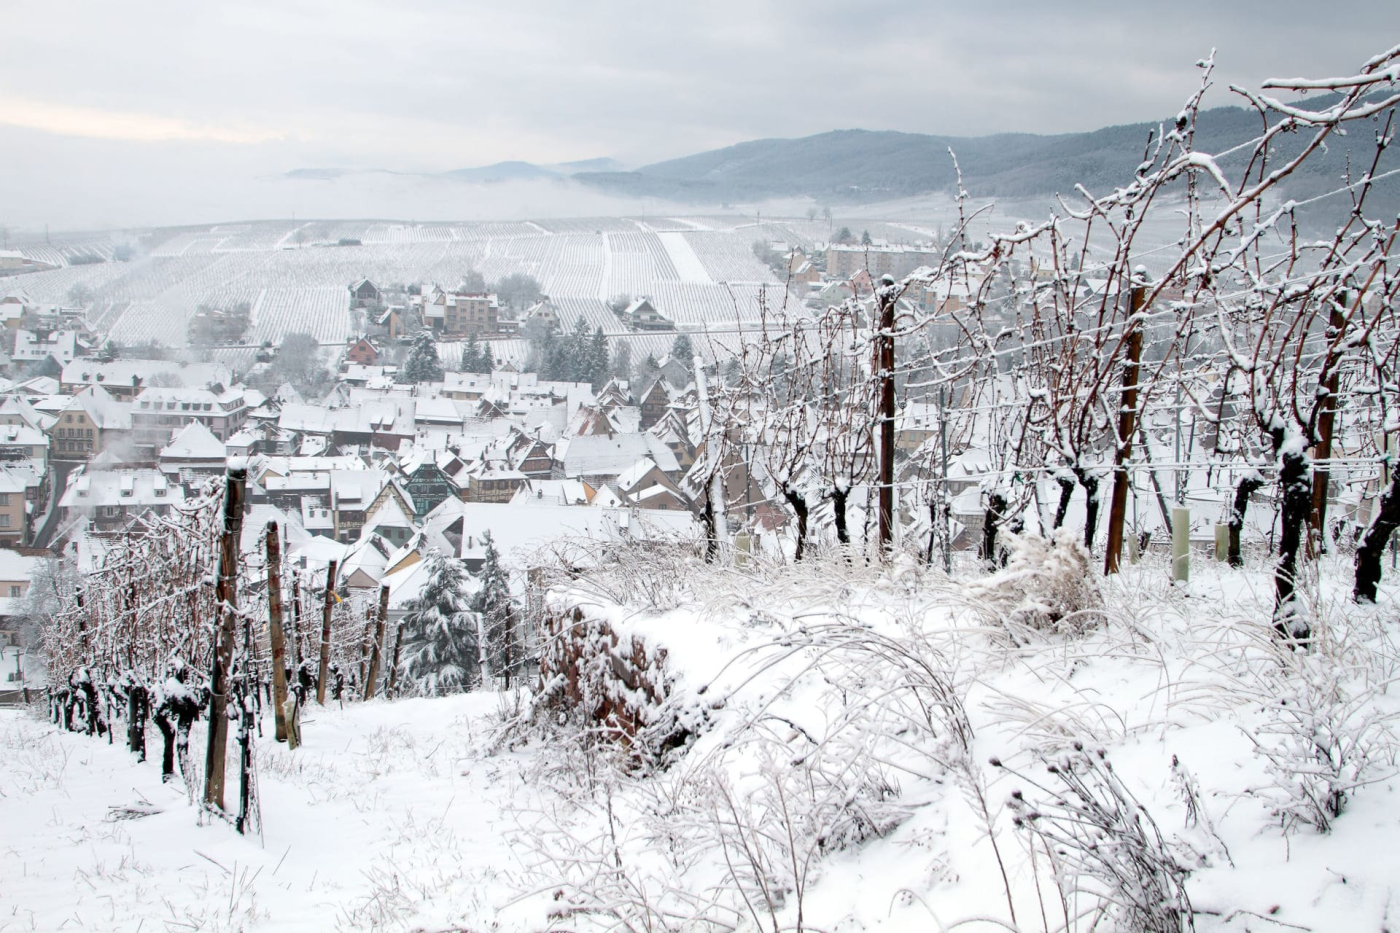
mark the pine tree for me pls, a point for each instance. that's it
(498, 615)
(484, 362)
(578, 358)
(441, 653)
(647, 371)
(683, 351)
(865, 238)
(622, 361)
(423, 364)
(471, 355)
(598, 360)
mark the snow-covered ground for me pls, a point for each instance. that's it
(826, 783)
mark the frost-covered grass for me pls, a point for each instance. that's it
(844, 718)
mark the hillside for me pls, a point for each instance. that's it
(861, 165)
(831, 729)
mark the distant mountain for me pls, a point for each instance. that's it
(498, 173)
(846, 165)
(589, 165)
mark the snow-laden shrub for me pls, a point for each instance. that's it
(1046, 585)
(1322, 738)
(1104, 844)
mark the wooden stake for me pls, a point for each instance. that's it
(391, 690)
(1326, 425)
(1127, 418)
(377, 647)
(225, 634)
(274, 618)
(885, 365)
(324, 670)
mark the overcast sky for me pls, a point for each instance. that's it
(108, 102)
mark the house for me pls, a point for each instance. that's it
(193, 455)
(392, 322)
(61, 346)
(533, 457)
(364, 294)
(110, 500)
(462, 314)
(91, 419)
(157, 413)
(210, 325)
(23, 442)
(520, 532)
(642, 315)
(426, 481)
(805, 274)
(656, 400)
(916, 423)
(598, 459)
(844, 261)
(16, 575)
(124, 379)
(390, 516)
(490, 485)
(14, 521)
(644, 485)
(543, 315)
(363, 351)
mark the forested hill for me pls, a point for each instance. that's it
(862, 165)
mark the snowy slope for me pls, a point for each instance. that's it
(427, 814)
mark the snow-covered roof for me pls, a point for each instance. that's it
(194, 442)
(600, 455)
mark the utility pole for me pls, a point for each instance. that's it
(885, 298)
(1127, 417)
(225, 633)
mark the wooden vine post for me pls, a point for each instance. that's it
(324, 671)
(274, 627)
(376, 648)
(1127, 418)
(225, 634)
(884, 364)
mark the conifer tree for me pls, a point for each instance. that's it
(598, 360)
(683, 351)
(471, 355)
(498, 615)
(423, 364)
(484, 361)
(622, 361)
(441, 652)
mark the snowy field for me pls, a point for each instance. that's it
(700, 271)
(830, 781)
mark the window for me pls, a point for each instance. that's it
(4, 498)
(15, 591)
(4, 519)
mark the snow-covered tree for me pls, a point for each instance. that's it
(422, 364)
(683, 351)
(441, 646)
(498, 615)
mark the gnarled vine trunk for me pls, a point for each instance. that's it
(1368, 555)
(1295, 485)
(1246, 488)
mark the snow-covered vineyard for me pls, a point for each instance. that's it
(831, 734)
(1047, 583)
